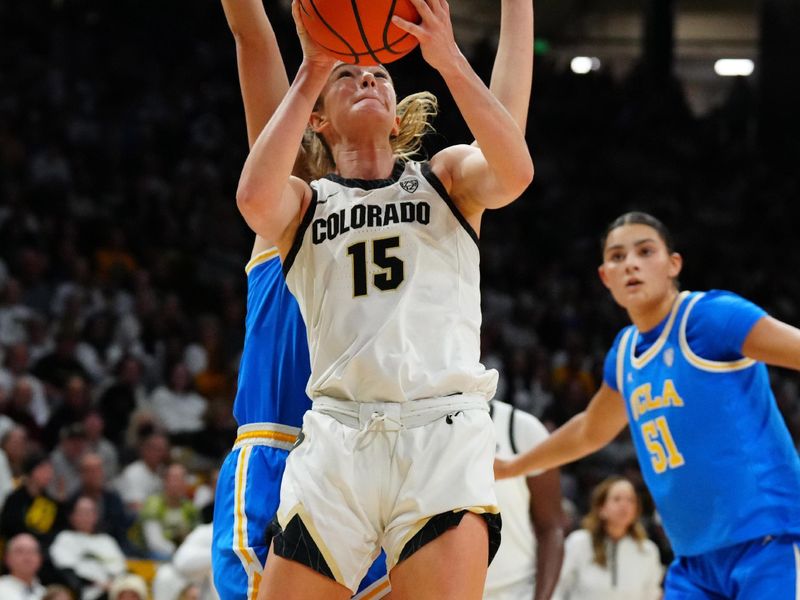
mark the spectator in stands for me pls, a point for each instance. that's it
(14, 443)
(128, 587)
(24, 559)
(190, 565)
(74, 406)
(55, 369)
(94, 425)
(112, 519)
(168, 517)
(66, 460)
(29, 508)
(142, 478)
(92, 350)
(58, 592)
(14, 313)
(122, 397)
(178, 408)
(18, 407)
(17, 365)
(93, 559)
(611, 557)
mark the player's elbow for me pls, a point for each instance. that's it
(245, 199)
(522, 176)
(249, 203)
(515, 181)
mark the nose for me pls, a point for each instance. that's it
(631, 262)
(368, 79)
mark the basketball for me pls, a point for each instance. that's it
(360, 32)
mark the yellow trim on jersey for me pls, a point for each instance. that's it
(377, 590)
(645, 358)
(623, 345)
(259, 258)
(241, 544)
(713, 366)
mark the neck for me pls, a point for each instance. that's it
(651, 315)
(363, 161)
(616, 532)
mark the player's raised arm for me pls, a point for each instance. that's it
(501, 168)
(262, 75)
(512, 73)
(773, 342)
(583, 434)
(269, 199)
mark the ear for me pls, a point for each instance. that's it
(318, 122)
(396, 127)
(601, 271)
(675, 265)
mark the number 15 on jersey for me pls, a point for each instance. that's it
(392, 269)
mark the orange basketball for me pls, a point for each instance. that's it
(360, 32)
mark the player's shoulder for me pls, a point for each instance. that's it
(620, 334)
(718, 299)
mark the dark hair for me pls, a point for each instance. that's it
(639, 218)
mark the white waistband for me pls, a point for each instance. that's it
(398, 415)
(274, 435)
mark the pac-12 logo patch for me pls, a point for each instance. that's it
(669, 356)
(410, 185)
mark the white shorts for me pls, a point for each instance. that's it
(365, 476)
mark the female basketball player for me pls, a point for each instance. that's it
(513, 90)
(689, 378)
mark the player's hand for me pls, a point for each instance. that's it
(312, 53)
(434, 33)
(502, 469)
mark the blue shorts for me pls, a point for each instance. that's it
(247, 497)
(763, 569)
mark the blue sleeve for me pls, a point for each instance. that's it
(719, 324)
(610, 365)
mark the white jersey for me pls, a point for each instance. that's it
(516, 432)
(386, 274)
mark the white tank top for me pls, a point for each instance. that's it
(516, 432)
(386, 273)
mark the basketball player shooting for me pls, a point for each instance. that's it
(372, 253)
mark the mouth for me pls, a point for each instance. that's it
(633, 284)
(366, 98)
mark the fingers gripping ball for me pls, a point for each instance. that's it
(360, 32)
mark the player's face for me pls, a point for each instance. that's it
(621, 506)
(359, 98)
(637, 268)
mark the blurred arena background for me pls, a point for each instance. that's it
(122, 252)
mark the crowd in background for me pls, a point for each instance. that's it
(122, 289)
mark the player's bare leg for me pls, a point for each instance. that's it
(289, 580)
(451, 566)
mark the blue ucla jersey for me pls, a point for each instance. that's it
(713, 448)
(274, 367)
